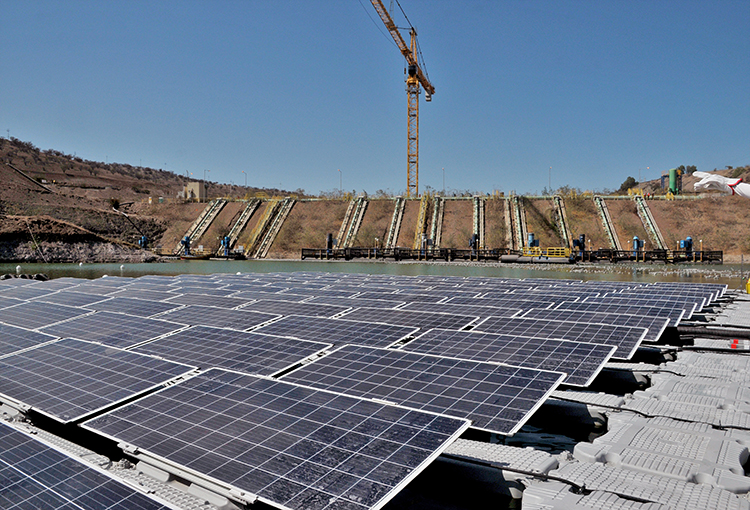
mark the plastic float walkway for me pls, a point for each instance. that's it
(680, 444)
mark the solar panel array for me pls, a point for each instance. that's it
(497, 398)
(292, 445)
(71, 379)
(625, 338)
(35, 475)
(198, 315)
(582, 361)
(114, 329)
(251, 353)
(337, 331)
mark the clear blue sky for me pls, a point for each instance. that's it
(292, 91)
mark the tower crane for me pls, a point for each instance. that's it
(415, 79)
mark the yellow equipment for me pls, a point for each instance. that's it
(414, 78)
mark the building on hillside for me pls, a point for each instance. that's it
(194, 192)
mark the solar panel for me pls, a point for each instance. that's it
(232, 350)
(13, 339)
(337, 331)
(496, 398)
(133, 306)
(71, 298)
(26, 292)
(70, 379)
(655, 325)
(700, 299)
(36, 476)
(202, 299)
(206, 291)
(302, 291)
(474, 310)
(35, 314)
(253, 295)
(525, 303)
(655, 303)
(674, 314)
(582, 361)
(196, 315)
(403, 296)
(627, 339)
(114, 329)
(149, 295)
(97, 290)
(423, 320)
(356, 302)
(287, 308)
(5, 302)
(289, 446)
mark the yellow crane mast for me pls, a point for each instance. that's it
(415, 77)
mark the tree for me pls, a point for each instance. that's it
(630, 182)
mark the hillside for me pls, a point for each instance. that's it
(49, 199)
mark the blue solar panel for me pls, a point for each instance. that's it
(496, 398)
(34, 475)
(580, 360)
(115, 329)
(290, 446)
(13, 339)
(70, 379)
(232, 350)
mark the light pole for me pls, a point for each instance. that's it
(341, 182)
(550, 180)
(245, 174)
(443, 181)
(204, 173)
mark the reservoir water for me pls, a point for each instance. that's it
(730, 274)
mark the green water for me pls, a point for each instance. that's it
(729, 274)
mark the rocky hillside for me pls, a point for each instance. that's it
(50, 199)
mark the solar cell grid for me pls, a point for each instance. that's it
(424, 320)
(232, 350)
(202, 299)
(36, 314)
(288, 308)
(474, 310)
(13, 339)
(149, 295)
(294, 447)
(674, 314)
(355, 302)
(496, 398)
(196, 315)
(655, 325)
(114, 329)
(206, 291)
(337, 331)
(255, 295)
(25, 293)
(97, 290)
(505, 301)
(625, 338)
(70, 379)
(71, 298)
(689, 308)
(6, 302)
(581, 361)
(132, 306)
(37, 476)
